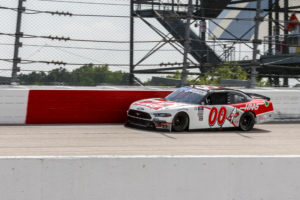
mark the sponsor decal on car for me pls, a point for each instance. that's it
(252, 106)
(267, 104)
(200, 113)
(157, 104)
(233, 115)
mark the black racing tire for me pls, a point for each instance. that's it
(180, 122)
(127, 124)
(247, 121)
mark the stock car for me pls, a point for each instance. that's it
(201, 107)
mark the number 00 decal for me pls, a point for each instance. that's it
(214, 116)
(221, 116)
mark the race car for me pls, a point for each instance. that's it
(202, 107)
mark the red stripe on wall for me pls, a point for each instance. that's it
(82, 106)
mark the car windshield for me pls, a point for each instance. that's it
(187, 95)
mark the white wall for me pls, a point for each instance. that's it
(13, 106)
(150, 178)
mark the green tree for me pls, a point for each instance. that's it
(34, 78)
(176, 75)
(87, 75)
(58, 75)
(214, 76)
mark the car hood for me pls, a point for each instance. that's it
(157, 104)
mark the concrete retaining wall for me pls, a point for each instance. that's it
(148, 178)
(13, 106)
(41, 105)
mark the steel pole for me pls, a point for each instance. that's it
(270, 45)
(258, 19)
(186, 44)
(131, 53)
(203, 34)
(277, 26)
(18, 44)
(286, 32)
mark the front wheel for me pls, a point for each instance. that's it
(247, 121)
(180, 122)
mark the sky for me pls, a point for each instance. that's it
(89, 28)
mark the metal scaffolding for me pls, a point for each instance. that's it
(177, 16)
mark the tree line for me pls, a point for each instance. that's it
(88, 75)
(92, 75)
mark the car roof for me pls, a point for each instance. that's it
(210, 88)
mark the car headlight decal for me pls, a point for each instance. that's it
(162, 114)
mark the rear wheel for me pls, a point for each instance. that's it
(247, 121)
(180, 122)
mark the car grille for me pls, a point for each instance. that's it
(139, 114)
(140, 122)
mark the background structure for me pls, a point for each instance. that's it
(148, 37)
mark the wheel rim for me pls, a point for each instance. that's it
(180, 122)
(246, 121)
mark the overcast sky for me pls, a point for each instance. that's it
(91, 28)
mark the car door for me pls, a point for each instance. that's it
(217, 104)
(236, 100)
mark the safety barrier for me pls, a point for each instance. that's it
(83, 106)
(13, 106)
(160, 178)
(92, 105)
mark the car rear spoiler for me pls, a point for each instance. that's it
(258, 96)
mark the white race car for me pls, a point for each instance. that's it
(200, 107)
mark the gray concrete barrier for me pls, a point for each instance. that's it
(149, 178)
(13, 106)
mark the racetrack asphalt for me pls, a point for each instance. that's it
(118, 140)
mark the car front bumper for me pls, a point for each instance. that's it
(147, 123)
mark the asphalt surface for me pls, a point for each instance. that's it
(86, 140)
